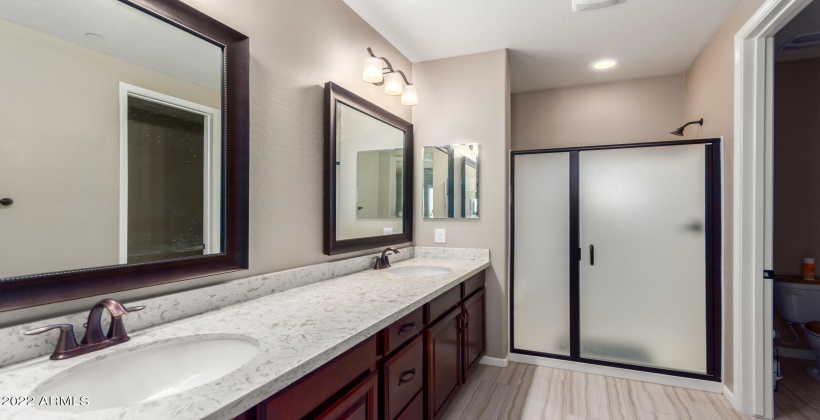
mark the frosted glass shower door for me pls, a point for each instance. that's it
(642, 215)
(541, 268)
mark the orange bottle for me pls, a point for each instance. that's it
(808, 269)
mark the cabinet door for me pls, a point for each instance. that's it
(361, 403)
(443, 341)
(473, 311)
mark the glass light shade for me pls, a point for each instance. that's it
(409, 97)
(372, 70)
(393, 84)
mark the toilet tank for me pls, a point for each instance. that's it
(797, 302)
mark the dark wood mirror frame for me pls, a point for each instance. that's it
(40, 289)
(332, 246)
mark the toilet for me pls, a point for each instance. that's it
(800, 303)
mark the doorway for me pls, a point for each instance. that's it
(795, 236)
(170, 171)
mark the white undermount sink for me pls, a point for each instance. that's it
(419, 270)
(147, 373)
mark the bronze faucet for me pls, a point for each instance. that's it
(383, 262)
(94, 339)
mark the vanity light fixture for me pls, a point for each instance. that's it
(395, 81)
(679, 131)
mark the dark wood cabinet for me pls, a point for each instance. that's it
(414, 410)
(474, 340)
(361, 403)
(443, 342)
(311, 393)
(410, 370)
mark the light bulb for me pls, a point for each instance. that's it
(372, 70)
(409, 97)
(393, 84)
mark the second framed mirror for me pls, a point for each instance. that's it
(368, 174)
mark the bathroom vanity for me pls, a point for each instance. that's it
(371, 344)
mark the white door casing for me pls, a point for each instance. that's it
(752, 190)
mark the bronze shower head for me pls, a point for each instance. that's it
(679, 131)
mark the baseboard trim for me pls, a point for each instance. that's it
(804, 354)
(495, 361)
(729, 395)
(656, 378)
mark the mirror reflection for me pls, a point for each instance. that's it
(111, 138)
(380, 182)
(450, 187)
(369, 175)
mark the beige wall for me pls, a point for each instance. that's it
(455, 107)
(797, 158)
(710, 95)
(295, 47)
(632, 111)
(59, 155)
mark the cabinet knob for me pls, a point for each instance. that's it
(6, 201)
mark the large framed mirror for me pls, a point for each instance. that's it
(124, 148)
(368, 174)
(450, 181)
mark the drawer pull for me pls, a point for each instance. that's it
(406, 328)
(407, 376)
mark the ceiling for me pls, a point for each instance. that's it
(550, 45)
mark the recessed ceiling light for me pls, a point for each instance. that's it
(604, 64)
(583, 5)
(95, 37)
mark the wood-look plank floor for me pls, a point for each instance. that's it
(522, 391)
(798, 395)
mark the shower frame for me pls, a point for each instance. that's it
(713, 259)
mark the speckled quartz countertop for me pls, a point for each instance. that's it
(297, 331)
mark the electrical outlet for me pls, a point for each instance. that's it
(440, 236)
(388, 231)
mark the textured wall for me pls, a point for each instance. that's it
(632, 111)
(465, 100)
(295, 47)
(710, 95)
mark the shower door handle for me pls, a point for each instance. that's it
(591, 254)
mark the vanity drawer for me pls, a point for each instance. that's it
(442, 304)
(312, 391)
(473, 284)
(414, 410)
(403, 377)
(403, 330)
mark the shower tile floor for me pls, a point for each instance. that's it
(522, 391)
(798, 395)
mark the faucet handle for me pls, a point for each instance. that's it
(65, 343)
(117, 329)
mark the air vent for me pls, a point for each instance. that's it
(583, 5)
(802, 41)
